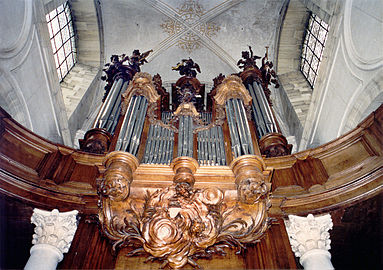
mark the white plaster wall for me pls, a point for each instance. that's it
(350, 75)
(29, 86)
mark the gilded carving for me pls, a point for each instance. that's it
(253, 181)
(180, 223)
(118, 176)
(140, 85)
(232, 87)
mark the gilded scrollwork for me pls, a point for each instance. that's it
(180, 223)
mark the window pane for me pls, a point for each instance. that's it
(60, 8)
(67, 48)
(61, 55)
(65, 33)
(312, 48)
(58, 41)
(64, 69)
(70, 60)
(52, 14)
(55, 26)
(62, 19)
(62, 39)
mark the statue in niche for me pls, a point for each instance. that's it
(117, 68)
(186, 67)
(248, 59)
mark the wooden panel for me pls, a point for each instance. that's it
(16, 233)
(347, 157)
(273, 251)
(228, 261)
(357, 234)
(304, 173)
(89, 249)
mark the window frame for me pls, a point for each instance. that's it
(60, 27)
(316, 34)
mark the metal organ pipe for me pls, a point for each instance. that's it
(263, 116)
(132, 125)
(211, 148)
(160, 142)
(185, 136)
(108, 116)
(240, 135)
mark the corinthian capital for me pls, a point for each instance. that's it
(309, 233)
(54, 228)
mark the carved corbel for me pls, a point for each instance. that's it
(118, 175)
(252, 180)
(184, 168)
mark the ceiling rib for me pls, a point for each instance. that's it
(210, 44)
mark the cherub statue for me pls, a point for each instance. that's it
(248, 59)
(186, 67)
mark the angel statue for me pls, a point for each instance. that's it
(248, 59)
(186, 67)
(116, 67)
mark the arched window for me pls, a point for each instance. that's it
(62, 39)
(312, 49)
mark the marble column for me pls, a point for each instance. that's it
(53, 236)
(310, 240)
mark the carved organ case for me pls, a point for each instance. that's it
(182, 184)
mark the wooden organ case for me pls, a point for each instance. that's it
(170, 182)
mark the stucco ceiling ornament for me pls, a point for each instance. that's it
(190, 12)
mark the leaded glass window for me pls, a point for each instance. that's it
(62, 39)
(312, 49)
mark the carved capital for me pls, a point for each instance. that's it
(118, 175)
(54, 228)
(309, 233)
(232, 87)
(253, 181)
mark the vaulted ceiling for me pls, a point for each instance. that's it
(211, 32)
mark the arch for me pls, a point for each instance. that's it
(12, 99)
(365, 101)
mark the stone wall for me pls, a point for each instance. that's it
(29, 86)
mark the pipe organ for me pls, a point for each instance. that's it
(235, 128)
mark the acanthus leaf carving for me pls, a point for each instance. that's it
(54, 228)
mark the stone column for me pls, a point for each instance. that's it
(310, 240)
(53, 236)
